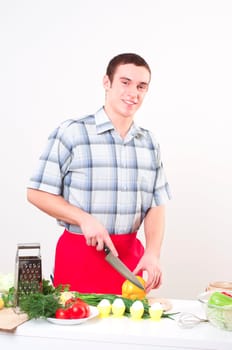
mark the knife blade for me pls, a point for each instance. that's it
(118, 265)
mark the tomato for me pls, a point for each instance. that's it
(78, 310)
(70, 302)
(87, 309)
(61, 313)
(131, 291)
(228, 294)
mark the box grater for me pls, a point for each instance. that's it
(28, 269)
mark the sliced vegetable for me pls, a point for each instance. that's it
(77, 310)
(228, 294)
(220, 299)
(131, 291)
(61, 313)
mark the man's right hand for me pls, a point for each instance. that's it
(96, 234)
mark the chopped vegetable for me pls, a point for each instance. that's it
(219, 310)
(220, 316)
(78, 309)
(220, 299)
(61, 313)
(131, 291)
(228, 294)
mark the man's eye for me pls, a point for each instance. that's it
(142, 87)
(125, 82)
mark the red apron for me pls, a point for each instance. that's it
(85, 269)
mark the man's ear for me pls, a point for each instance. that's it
(106, 82)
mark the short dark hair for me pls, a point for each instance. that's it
(125, 58)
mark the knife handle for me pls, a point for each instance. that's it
(106, 249)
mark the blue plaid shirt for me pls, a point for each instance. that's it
(116, 180)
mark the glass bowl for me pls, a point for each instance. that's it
(219, 316)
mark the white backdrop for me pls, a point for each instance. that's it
(53, 55)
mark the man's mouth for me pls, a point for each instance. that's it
(128, 102)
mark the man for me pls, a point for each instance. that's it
(101, 177)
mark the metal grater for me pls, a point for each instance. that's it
(28, 269)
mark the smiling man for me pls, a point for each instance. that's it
(101, 177)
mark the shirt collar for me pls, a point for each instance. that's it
(104, 124)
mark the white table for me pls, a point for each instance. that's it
(121, 334)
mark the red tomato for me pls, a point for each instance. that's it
(61, 313)
(70, 302)
(78, 310)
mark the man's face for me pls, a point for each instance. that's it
(125, 94)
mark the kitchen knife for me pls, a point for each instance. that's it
(121, 267)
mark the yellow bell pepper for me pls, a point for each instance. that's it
(131, 291)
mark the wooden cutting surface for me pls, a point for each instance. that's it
(167, 305)
(10, 320)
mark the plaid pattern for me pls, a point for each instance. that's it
(116, 180)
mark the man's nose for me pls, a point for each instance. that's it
(132, 90)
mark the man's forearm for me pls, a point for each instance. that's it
(56, 206)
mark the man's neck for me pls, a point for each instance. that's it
(121, 124)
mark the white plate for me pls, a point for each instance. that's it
(67, 322)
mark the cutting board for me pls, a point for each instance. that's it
(166, 304)
(10, 320)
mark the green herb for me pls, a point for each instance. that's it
(39, 305)
(42, 304)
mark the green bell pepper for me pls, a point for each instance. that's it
(220, 299)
